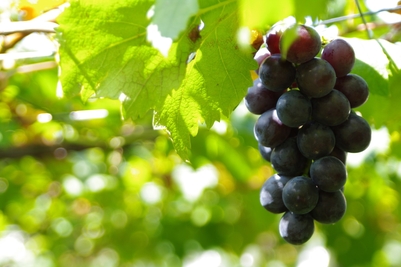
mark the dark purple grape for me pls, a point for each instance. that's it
(296, 229)
(328, 173)
(354, 88)
(286, 158)
(331, 109)
(258, 99)
(354, 134)
(306, 46)
(315, 78)
(339, 153)
(269, 130)
(260, 56)
(315, 140)
(271, 197)
(340, 54)
(276, 74)
(330, 208)
(293, 108)
(265, 152)
(300, 195)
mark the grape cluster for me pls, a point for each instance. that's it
(306, 126)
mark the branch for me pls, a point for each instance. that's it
(27, 27)
(42, 23)
(42, 150)
(354, 16)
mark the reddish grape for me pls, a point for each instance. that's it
(340, 54)
(306, 45)
(273, 40)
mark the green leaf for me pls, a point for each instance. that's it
(310, 8)
(216, 80)
(382, 73)
(104, 51)
(373, 64)
(262, 13)
(171, 16)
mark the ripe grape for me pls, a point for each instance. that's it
(304, 47)
(271, 193)
(273, 40)
(330, 208)
(328, 173)
(293, 108)
(354, 87)
(315, 78)
(315, 140)
(353, 135)
(296, 229)
(340, 54)
(276, 74)
(258, 99)
(269, 130)
(286, 158)
(331, 109)
(300, 195)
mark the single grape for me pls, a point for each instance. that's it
(271, 193)
(340, 54)
(286, 158)
(354, 134)
(315, 78)
(300, 195)
(354, 87)
(273, 40)
(276, 74)
(260, 56)
(293, 108)
(258, 99)
(339, 153)
(330, 208)
(328, 173)
(331, 109)
(315, 140)
(265, 152)
(304, 47)
(269, 130)
(296, 229)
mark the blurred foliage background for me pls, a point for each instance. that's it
(79, 186)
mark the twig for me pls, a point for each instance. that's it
(354, 16)
(27, 27)
(50, 17)
(369, 32)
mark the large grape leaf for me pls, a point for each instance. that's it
(104, 52)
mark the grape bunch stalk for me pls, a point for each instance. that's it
(305, 98)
